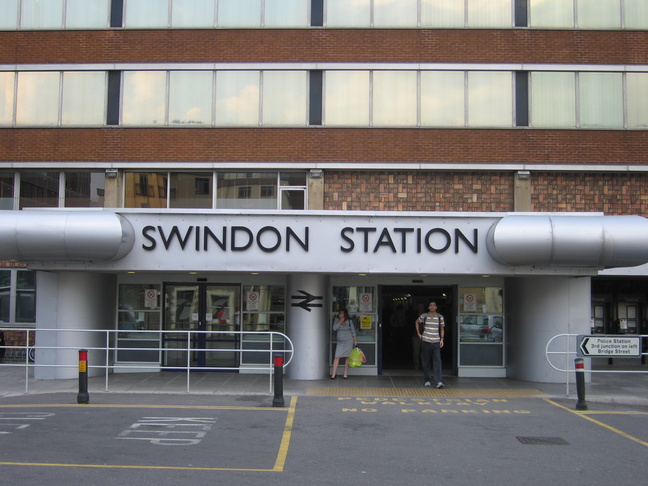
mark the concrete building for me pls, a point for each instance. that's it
(255, 165)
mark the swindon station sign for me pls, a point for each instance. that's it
(609, 346)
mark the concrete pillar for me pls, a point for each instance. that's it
(539, 308)
(307, 326)
(316, 189)
(66, 301)
(522, 191)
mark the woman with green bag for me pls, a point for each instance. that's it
(346, 340)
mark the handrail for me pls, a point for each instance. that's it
(278, 343)
(571, 350)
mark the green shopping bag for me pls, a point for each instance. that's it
(356, 358)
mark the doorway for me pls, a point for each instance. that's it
(212, 309)
(400, 306)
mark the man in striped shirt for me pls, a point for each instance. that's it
(432, 342)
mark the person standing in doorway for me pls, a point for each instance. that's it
(346, 340)
(432, 341)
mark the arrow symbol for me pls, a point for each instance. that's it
(306, 300)
(583, 346)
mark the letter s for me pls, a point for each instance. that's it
(145, 234)
(351, 246)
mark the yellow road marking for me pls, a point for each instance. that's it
(584, 414)
(279, 462)
(424, 392)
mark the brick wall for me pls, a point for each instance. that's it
(325, 144)
(610, 193)
(326, 45)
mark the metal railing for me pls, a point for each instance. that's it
(566, 346)
(109, 343)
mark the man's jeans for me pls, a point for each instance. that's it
(431, 354)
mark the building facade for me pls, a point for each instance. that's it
(231, 141)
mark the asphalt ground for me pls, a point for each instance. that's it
(158, 439)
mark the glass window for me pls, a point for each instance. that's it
(84, 189)
(348, 13)
(9, 17)
(394, 98)
(553, 99)
(144, 94)
(292, 179)
(84, 98)
(601, 99)
(38, 98)
(551, 13)
(264, 308)
(360, 302)
(41, 14)
(636, 14)
(6, 98)
(481, 326)
(637, 85)
(25, 296)
(6, 190)
(490, 13)
(192, 13)
(442, 13)
(190, 190)
(237, 98)
(146, 13)
(39, 190)
(139, 310)
(82, 14)
(190, 97)
(17, 296)
(442, 98)
(145, 190)
(396, 13)
(346, 98)
(239, 13)
(490, 99)
(599, 14)
(293, 199)
(286, 13)
(285, 98)
(5, 296)
(243, 190)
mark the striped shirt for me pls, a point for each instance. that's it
(432, 327)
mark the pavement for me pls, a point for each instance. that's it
(621, 383)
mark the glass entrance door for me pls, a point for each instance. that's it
(210, 308)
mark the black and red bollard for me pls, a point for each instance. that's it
(83, 396)
(580, 383)
(278, 400)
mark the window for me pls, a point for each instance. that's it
(394, 98)
(84, 189)
(551, 13)
(553, 99)
(6, 98)
(190, 97)
(490, 99)
(237, 98)
(144, 95)
(346, 98)
(244, 192)
(192, 13)
(442, 98)
(481, 326)
(37, 98)
(286, 13)
(599, 14)
(601, 100)
(39, 190)
(264, 308)
(139, 310)
(361, 304)
(146, 13)
(82, 14)
(17, 296)
(6, 190)
(395, 13)
(284, 98)
(84, 98)
(343, 13)
(41, 14)
(637, 86)
(636, 14)
(145, 190)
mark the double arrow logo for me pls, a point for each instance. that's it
(306, 300)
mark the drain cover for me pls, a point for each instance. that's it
(542, 440)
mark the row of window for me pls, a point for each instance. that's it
(325, 98)
(234, 190)
(179, 14)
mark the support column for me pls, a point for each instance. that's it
(308, 325)
(72, 300)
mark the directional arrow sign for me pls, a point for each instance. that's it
(609, 346)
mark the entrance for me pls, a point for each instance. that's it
(201, 307)
(400, 307)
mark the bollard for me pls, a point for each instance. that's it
(278, 400)
(83, 396)
(580, 383)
